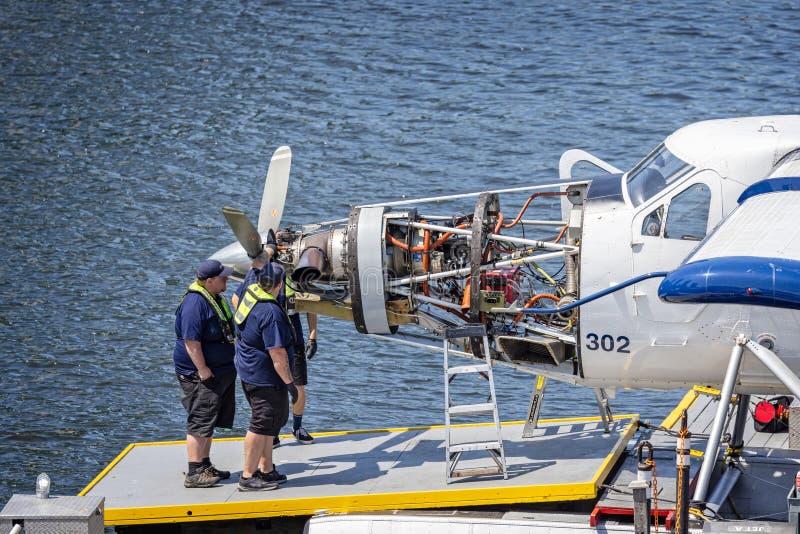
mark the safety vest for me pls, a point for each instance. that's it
(251, 297)
(223, 311)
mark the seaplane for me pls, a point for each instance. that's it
(683, 270)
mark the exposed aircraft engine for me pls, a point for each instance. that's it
(389, 265)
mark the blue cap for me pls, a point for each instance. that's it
(271, 274)
(212, 268)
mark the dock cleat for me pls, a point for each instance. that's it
(213, 471)
(256, 483)
(272, 476)
(303, 437)
(201, 479)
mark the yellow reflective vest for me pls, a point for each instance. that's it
(221, 309)
(253, 296)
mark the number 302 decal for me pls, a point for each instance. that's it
(607, 343)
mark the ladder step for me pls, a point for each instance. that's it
(481, 368)
(468, 330)
(467, 409)
(476, 446)
(475, 471)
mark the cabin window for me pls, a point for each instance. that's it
(654, 173)
(652, 223)
(687, 217)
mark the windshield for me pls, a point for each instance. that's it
(655, 172)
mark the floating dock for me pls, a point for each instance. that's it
(758, 502)
(566, 460)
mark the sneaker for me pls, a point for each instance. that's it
(301, 436)
(272, 476)
(213, 471)
(256, 483)
(276, 442)
(201, 479)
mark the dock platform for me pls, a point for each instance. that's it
(359, 471)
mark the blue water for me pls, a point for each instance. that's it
(125, 126)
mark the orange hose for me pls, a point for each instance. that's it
(533, 301)
(447, 235)
(451, 310)
(561, 234)
(490, 244)
(500, 219)
(436, 244)
(527, 202)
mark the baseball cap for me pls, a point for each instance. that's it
(271, 274)
(211, 268)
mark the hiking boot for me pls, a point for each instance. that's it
(201, 479)
(301, 436)
(276, 442)
(272, 476)
(256, 483)
(213, 471)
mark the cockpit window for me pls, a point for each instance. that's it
(655, 172)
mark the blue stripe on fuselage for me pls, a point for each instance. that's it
(771, 185)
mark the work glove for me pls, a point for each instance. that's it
(292, 391)
(311, 348)
(271, 244)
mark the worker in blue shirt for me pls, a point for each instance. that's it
(203, 357)
(303, 350)
(264, 353)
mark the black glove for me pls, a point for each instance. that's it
(292, 391)
(311, 348)
(271, 244)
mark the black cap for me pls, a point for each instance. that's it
(212, 268)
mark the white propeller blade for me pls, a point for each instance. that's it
(275, 186)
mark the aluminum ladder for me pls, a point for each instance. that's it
(493, 447)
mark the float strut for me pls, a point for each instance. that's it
(712, 448)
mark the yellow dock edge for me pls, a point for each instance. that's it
(370, 502)
(691, 396)
(350, 503)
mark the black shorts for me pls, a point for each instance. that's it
(209, 405)
(300, 369)
(270, 406)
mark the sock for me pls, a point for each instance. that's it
(194, 467)
(207, 461)
(298, 421)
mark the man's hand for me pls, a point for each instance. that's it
(204, 373)
(292, 391)
(271, 244)
(311, 348)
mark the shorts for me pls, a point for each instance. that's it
(300, 369)
(270, 406)
(209, 405)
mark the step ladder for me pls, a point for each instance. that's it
(493, 447)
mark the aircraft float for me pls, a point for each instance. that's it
(683, 270)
